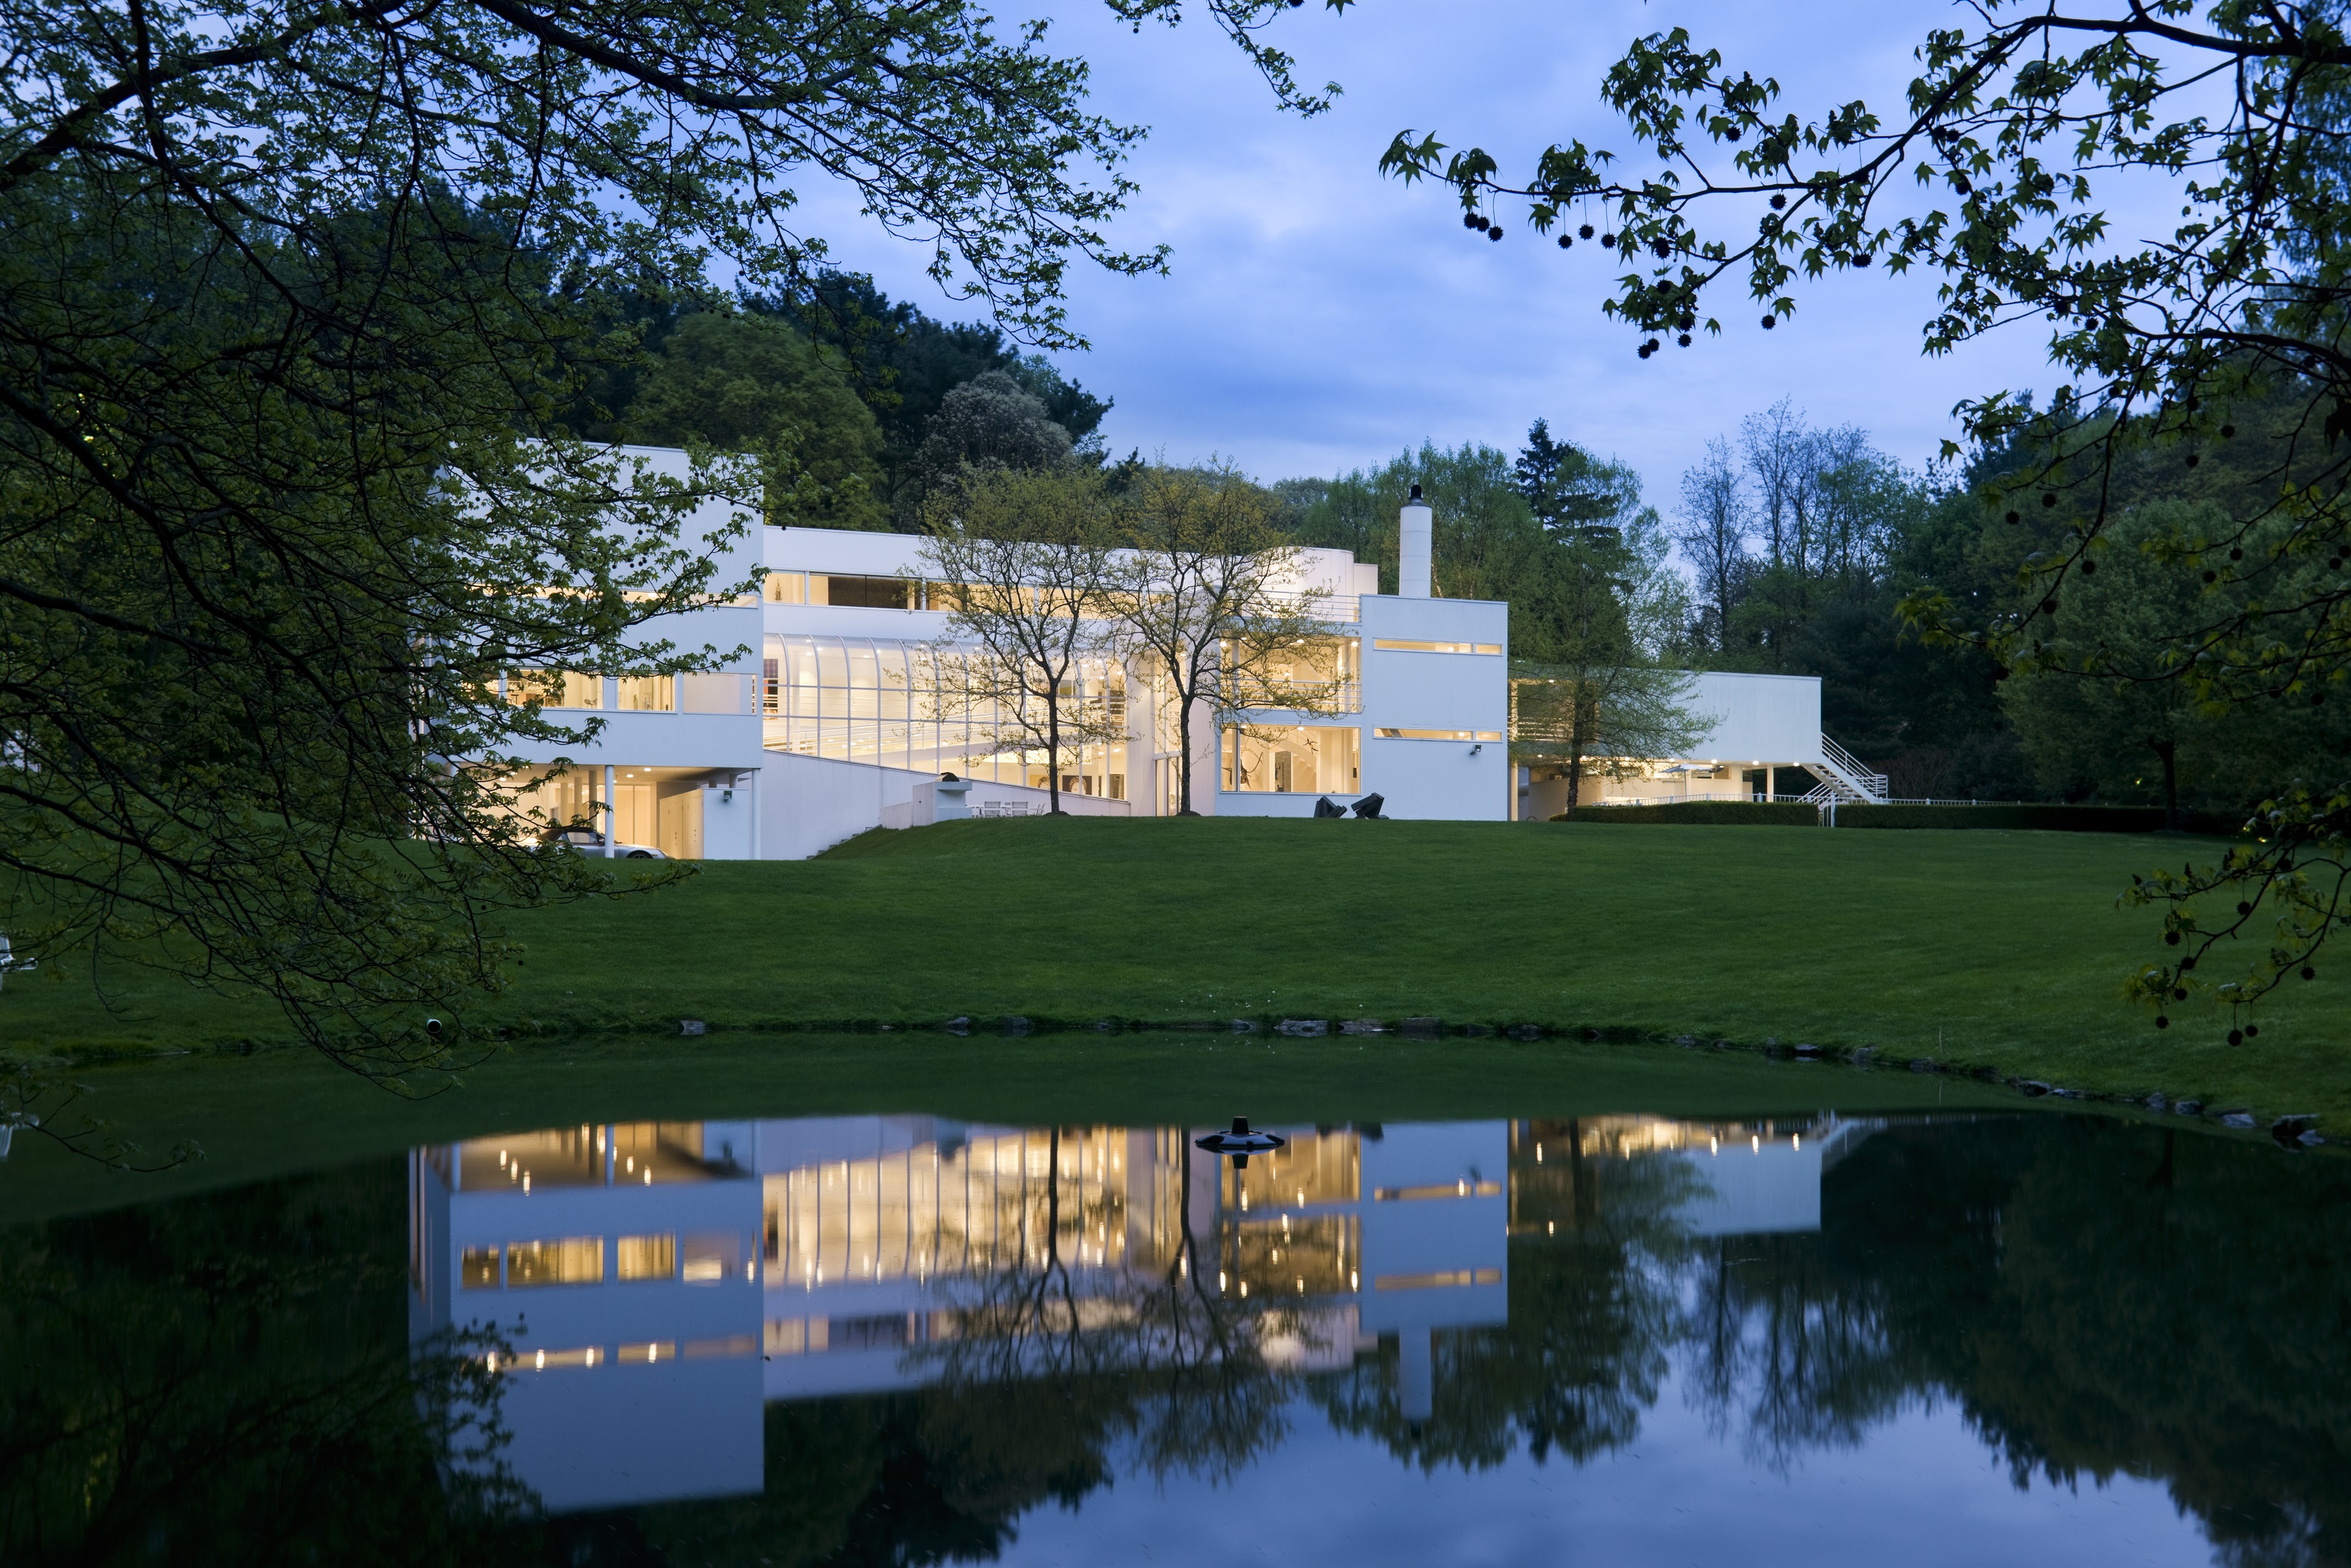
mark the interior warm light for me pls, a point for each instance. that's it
(1797, 1139)
(1756, 1144)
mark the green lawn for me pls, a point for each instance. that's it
(1999, 949)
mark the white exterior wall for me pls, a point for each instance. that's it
(1758, 719)
(724, 747)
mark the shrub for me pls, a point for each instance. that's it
(1739, 813)
(2036, 817)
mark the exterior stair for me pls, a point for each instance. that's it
(1845, 776)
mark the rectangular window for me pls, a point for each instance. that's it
(647, 694)
(480, 1270)
(648, 1257)
(1301, 760)
(1439, 1190)
(568, 1260)
(719, 693)
(731, 1346)
(863, 592)
(1450, 1278)
(555, 688)
(883, 1330)
(712, 1258)
(1399, 645)
(649, 1352)
(1385, 734)
(785, 588)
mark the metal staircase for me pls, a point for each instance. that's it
(1845, 776)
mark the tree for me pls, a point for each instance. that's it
(1027, 558)
(2022, 120)
(749, 383)
(1202, 602)
(296, 308)
(1605, 695)
(1566, 488)
(988, 423)
(903, 363)
(1716, 526)
(2099, 731)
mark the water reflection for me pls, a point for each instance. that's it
(663, 1283)
(897, 1339)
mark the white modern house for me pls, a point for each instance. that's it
(829, 720)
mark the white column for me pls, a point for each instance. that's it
(1768, 789)
(754, 813)
(611, 814)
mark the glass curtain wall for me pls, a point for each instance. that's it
(904, 705)
(1301, 759)
(1087, 1196)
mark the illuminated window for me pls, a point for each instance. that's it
(569, 1261)
(1385, 734)
(1299, 759)
(1437, 1189)
(711, 1258)
(863, 593)
(733, 1344)
(480, 1270)
(1399, 645)
(785, 588)
(1314, 1255)
(647, 694)
(555, 688)
(930, 710)
(648, 1257)
(1442, 1281)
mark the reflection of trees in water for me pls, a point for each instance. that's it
(1197, 1389)
(229, 1379)
(1778, 1348)
(1592, 1317)
(2108, 1299)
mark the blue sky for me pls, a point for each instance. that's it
(1320, 317)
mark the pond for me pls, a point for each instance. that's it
(1902, 1336)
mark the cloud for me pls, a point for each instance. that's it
(1319, 317)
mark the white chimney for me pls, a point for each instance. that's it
(1413, 546)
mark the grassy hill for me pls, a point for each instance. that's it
(1996, 950)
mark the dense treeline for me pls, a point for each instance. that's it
(857, 404)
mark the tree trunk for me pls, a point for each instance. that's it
(2169, 752)
(1184, 756)
(1575, 779)
(1053, 743)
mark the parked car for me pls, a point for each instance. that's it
(588, 841)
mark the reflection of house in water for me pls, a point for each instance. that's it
(664, 1280)
(1699, 1179)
